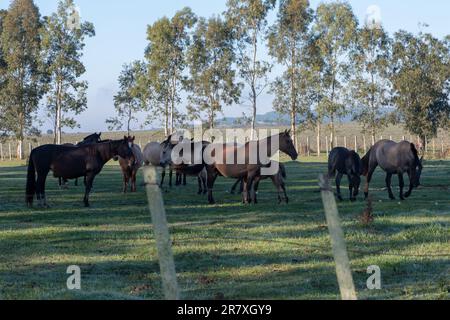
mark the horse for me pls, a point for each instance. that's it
(278, 180)
(393, 158)
(345, 162)
(186, 165)
(248, 171)
(129, 170)
(93, 138)
(159, 155)
(71, 163)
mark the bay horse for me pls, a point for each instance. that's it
(247, 171)
(91, 139)
(393, 158)
(71, 163)
(130, 170)
(345, 162)
(278, 180)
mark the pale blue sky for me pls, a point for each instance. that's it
(121, 37)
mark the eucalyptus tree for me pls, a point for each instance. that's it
(248, 19)
(288, 41)
(370, 85)
(130, 100)
(165, 54)
(21, 76)
(421, 82)
(334, 30)
(63, 42)
(212, 82)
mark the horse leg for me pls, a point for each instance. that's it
(76, 182)
(89, 183)
(233, 189)
(283, 187)
(125, 182)
(256, 182)
(368, 180)
(184, 179)
(133, 180)
(388, 185)
(163, 176)
(170, 177)
(200, 182)
(350, 187)
(338, 185)
(401, 183)
(40, 189)
(211, 179)
(411, 175)
(245, 194)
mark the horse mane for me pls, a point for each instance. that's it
(416, 154)
(356, 160)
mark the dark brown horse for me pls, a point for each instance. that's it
(70, 163)
(393, 158)
(345, 162)
(93, 138)
(251, 165)
(130, 169)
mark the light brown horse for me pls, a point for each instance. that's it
(247, 170)
(130, 169)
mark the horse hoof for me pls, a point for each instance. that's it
(352, 199)
(340, 199)
(392, 198)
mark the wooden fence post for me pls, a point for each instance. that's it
(345, 142)
(9, 149)
(161, 233)
(1, 151)
(341, 259)
(327, 146)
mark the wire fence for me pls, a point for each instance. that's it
(308, 146)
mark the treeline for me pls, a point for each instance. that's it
(331, 66)
(40, 62)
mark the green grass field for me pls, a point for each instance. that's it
(226, 251)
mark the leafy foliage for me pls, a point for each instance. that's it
(63, 47)
(212, 82)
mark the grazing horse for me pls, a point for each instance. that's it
(129, 170)
(93, 138)
(345, 162)
(159, 155)
(245, 169)
(186, 164)
(394, 158)
(71, 163)
(277, 179)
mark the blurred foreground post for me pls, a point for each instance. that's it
(341, 259)
(161, 232)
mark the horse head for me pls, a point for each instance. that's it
(287, 145)
(166, 152)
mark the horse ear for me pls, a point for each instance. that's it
(134, 138)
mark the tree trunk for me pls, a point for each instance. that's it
(318, 139)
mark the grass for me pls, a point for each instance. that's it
(227, 251)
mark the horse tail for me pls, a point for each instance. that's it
(365, 163)
(31, 182)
